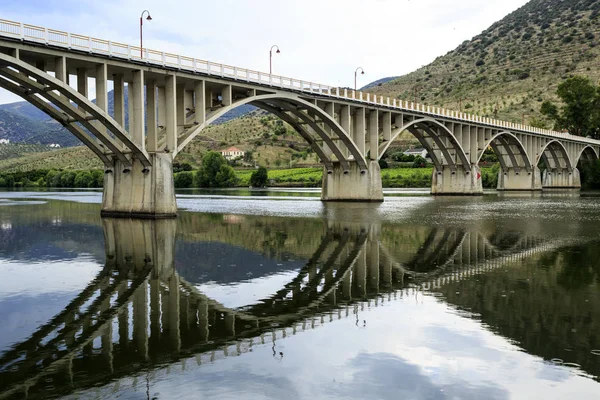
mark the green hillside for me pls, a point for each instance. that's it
(513, 66)
(77, 157)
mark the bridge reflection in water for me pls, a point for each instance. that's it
(140, 313)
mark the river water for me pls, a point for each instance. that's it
(279, 296)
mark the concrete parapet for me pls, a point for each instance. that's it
(139, 192)
(460, 182)
(561, 178)
(353, 184)
(510, 180)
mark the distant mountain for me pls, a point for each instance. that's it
(235, 113)
(509, 69)
(25, 109)
(21, 129)
(379, 82)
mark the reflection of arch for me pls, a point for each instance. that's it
(44, 356)
(174, 321)
(555, 156)
(438, 250)
(70, 108)
(510, 152)
(304, 113)
(504, 241)
(433, 136)
(315, 281)
(587, 154)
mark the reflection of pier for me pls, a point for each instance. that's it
(139, 313)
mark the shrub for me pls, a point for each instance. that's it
(419, 162)
(83, 179)
(67, 179)
(184, 179)
(259, 177)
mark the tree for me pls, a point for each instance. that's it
(83, 179)
(214, 172)
(184, 179)
(580, 111)
(225, 177)
(53, 178)
(98, 176)
(259, 177)
(419, 162)
(67, 179)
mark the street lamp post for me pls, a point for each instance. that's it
(362, 72)
(271, 58)
(149, 18)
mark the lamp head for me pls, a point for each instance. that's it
(149, 18)
(362, 73)
(277, 51)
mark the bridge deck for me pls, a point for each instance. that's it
(38, 35)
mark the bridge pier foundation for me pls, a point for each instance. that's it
(510, 180)
(352, 185)
(139, 192)
(561, 178)
(460, 182)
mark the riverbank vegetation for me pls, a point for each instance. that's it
(223, 177)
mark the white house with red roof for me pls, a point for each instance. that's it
(232, 153)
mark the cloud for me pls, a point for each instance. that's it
(384, 376)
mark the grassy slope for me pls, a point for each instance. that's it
(75, 158)
(522, 60)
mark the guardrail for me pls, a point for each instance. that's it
(70, 41)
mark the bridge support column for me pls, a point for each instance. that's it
(561, 178)
(510, 180)
(352, 185)
(457, 183)
(139, 192)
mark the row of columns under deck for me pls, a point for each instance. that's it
(362, 125)
(171, 102)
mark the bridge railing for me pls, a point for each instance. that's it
(38, 34)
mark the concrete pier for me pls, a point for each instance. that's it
(352, 184)
(457, 182)
(511, 180)
(561, 178)
(139, 192)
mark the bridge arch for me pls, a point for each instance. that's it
(429, 128)
(509, 150)
(305, 117)
(71, 109)
(586, 154)
(555, 156)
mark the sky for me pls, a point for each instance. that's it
(322, 41)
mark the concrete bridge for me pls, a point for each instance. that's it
(139, 312)
(348, 130)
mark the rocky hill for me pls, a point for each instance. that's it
(509, 69)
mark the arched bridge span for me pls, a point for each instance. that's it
(348, 130)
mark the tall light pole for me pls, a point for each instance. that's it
(271, 58)
(149, 18)
(362, 72)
